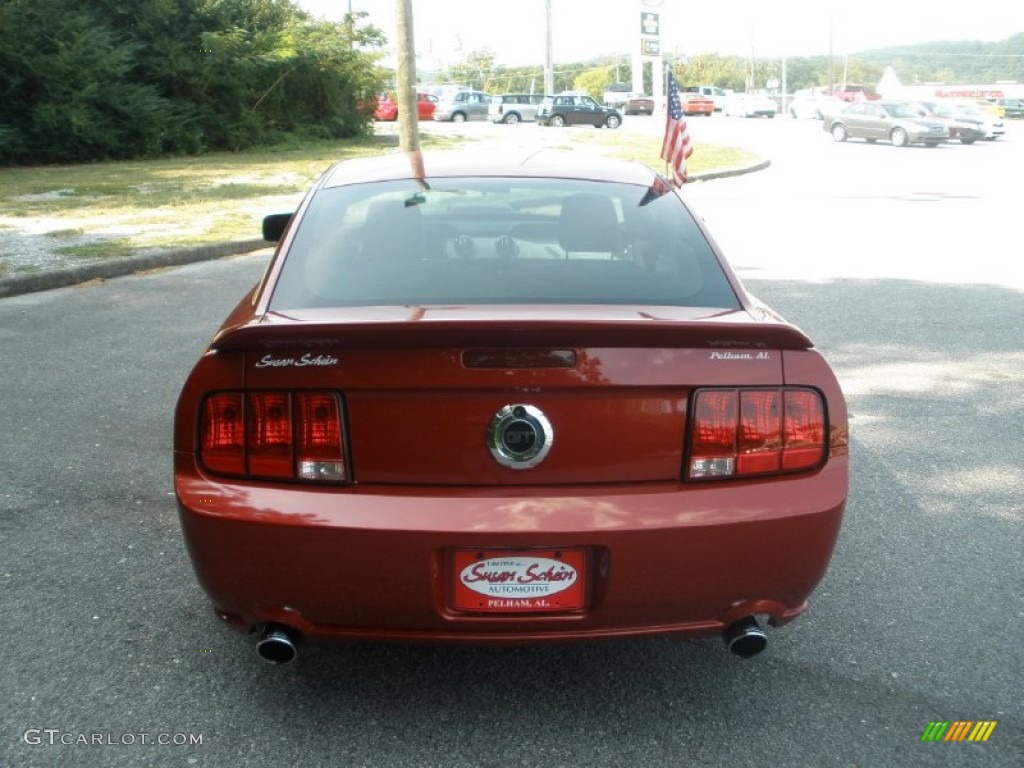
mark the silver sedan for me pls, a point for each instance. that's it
(896, 121)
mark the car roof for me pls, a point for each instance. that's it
(545, 163)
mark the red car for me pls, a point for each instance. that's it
(387, 107)
(501, 399)
(697, 104)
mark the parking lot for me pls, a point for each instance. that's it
(898, 262)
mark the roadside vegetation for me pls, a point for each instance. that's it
(86, 80)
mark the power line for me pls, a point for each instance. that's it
(939, 53)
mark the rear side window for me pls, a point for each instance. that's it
(508, 241)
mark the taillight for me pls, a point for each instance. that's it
(223, 433)
(319, 452)
(291, 435)
(744, 432)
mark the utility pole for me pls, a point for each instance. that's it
(549, 66)
(831, 71)
(408, 126)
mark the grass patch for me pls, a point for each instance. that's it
(100, 249)
(645, 149)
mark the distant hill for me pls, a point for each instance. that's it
(965, 61)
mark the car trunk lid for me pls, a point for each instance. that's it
(425, 388)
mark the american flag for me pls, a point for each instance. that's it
(676, 147)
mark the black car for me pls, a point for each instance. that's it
(576, 109)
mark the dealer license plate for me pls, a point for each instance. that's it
(519, 581)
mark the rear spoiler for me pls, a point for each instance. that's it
(500, 333)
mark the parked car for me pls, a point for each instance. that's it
(638, 104)
(696, 103)
(962, 128)
(573, 108)
(460, 106)
(387, 107)
(1012, 108)
(993, 108)
(750, 105)
(511, 397)
(992, 125)
(816, 107)
(718, 95)
(883, 120)
(512, 108)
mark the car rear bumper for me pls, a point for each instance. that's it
(360, 563)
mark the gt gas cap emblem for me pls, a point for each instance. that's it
(519, 436)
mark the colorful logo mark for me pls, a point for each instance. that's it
(959, 730)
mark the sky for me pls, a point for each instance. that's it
(514, 30)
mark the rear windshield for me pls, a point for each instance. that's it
(507, 241)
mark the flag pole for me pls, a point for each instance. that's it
(668, 113)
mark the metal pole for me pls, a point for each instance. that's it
(408, 127)
(549, 67)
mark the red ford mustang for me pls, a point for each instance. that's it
(505, 400)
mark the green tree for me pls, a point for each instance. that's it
(94, 79)
(711, 69)
(594, 81)
(74, 97)
(475, 70)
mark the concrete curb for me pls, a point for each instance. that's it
(104, 270)
(729, 172)
(61, 278)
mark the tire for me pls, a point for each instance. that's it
(458, 117)
(839, 132)
(966, 141)
(512, 118)
(556, 121)
(613, 121)
(898, 137)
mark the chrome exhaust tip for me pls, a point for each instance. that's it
(278, 644)
(745, 638)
